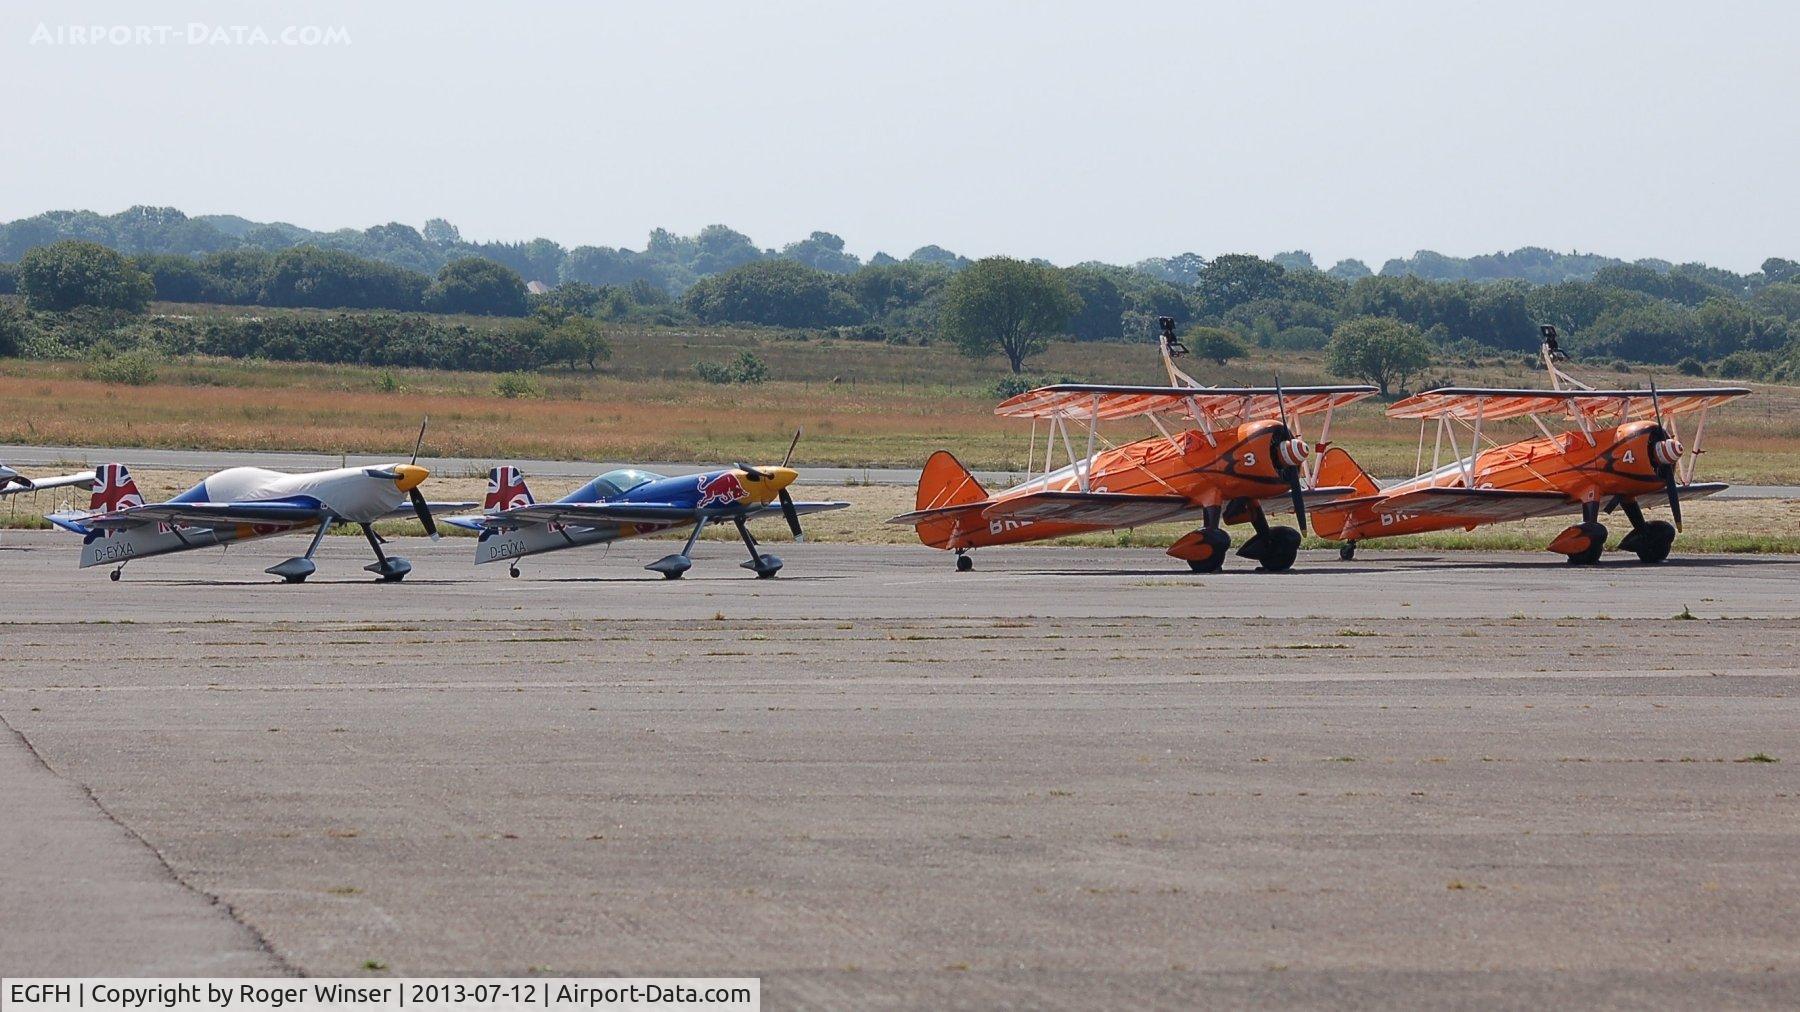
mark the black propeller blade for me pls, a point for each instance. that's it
(1667, 470)
(792, 515)
(420, 442)
(751, 471)
(424, 512)
(1291, 473)
(788, 456)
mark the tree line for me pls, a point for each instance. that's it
(1695, 317)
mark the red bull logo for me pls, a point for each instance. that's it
(722, 489)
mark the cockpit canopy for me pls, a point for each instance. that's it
(613, 484)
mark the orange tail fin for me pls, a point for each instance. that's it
(943, 485)
(1337, 468)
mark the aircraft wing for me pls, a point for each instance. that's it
(1111, 509)
(1105, 402)
(587, 514)
(216, 515)
(1478, 504)
(12, 482)
(405, 510)
(1698, 490)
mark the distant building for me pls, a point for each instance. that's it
(536, 287)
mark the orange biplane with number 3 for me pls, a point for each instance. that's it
(1234, 456)
(1624, 453)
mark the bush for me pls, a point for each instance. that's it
(134, 368)
(1745, 365)
(1690, 366)
(747, 369)
(64, 275)
(518, 384)
(1215, 344)
(1013, 386)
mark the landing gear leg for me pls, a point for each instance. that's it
(387, 570)
(963, 562)
(298, 568)
(672, 566)
(1651, 539)
(763, 564)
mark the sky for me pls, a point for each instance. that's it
(1100, 131)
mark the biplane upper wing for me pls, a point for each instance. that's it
(1477, 504)
(1496, 403)
(1105, 402)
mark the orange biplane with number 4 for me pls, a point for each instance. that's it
(1624, 453)
(1233, 456)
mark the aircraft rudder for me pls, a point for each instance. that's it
(114, 489)
(1338, 468)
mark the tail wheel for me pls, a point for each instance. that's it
(964, 563)
(1347, 551)
(1218, 544)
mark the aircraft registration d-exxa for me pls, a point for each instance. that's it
(246, 503)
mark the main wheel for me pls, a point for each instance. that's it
(1654, 540)
(1284, 547)
(1596, 544)
(391, 578)
(964, 563)
(1219, 544)
(293, 579)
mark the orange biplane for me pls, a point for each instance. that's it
(1234, 456)
(1624, 453)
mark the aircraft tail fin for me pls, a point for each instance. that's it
(948, 496)
(1337, 468)
(506, 490)
(114, 489)
(945, 482)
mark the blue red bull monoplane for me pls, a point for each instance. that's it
(633, 503)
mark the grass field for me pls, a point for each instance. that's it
(860, 403)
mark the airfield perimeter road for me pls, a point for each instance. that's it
(1070, 779)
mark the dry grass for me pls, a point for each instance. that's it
(861, 404)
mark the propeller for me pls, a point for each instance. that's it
(787, 501)
(418, 498)
(1290, 472)
(424, 511)
(751, 471)
(1667, 471)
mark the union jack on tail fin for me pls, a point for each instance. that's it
(114, 490)
(506, 490)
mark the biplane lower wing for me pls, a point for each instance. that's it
(1698, 490)
(1106, 509)
(1486, 505)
